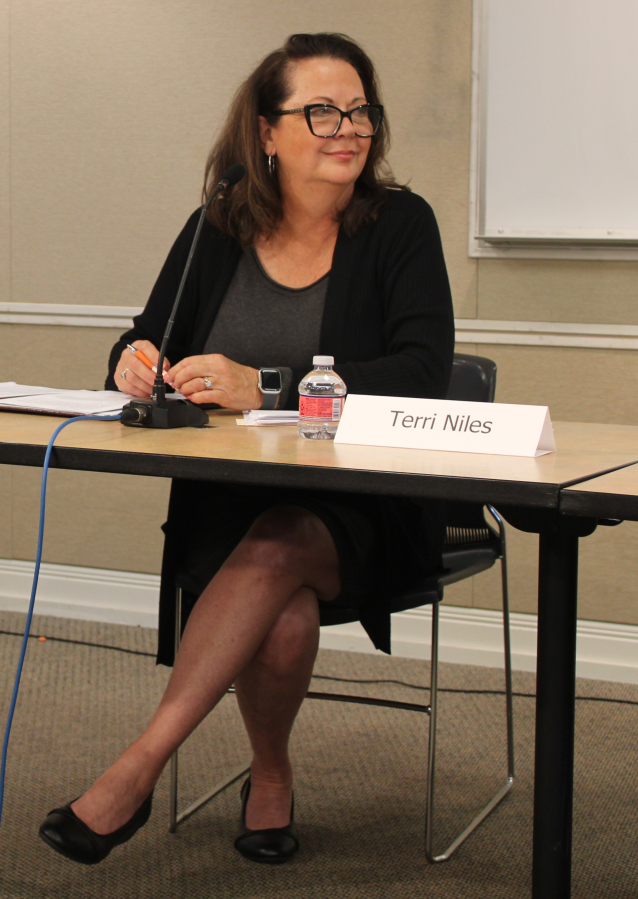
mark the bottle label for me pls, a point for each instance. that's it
(320, 408)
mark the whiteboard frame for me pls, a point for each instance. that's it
(621, 246)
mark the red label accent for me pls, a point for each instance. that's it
(320, 408)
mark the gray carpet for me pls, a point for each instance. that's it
(360, 784)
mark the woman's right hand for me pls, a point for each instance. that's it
(131, 375)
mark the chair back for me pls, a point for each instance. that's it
(473, 379)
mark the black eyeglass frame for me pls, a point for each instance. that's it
(342, 113)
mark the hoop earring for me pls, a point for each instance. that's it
(271, 166)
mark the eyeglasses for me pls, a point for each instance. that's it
(325, 121)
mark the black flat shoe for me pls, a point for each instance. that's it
(63, 831)
(273, 845)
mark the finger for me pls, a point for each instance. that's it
(143, 358)
(130, 390)
(150, 351)
(188, 373)
(131, 383)
(129, 362)
(193, 366)
(176, 369)
(193, 385)
(133, 391)
(206, 396)
(143, 372)
(181, 372)
(212, 396)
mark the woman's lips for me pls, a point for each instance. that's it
(343, 154)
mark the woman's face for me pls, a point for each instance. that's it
(302, 158)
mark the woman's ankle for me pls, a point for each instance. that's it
(133, 775)
(271, 774)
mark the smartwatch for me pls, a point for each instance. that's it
(270, 387)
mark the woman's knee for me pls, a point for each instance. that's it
(292, 525)
(288, 537)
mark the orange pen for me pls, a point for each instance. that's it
(142, 357)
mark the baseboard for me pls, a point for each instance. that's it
(475, 637)
(90, 594)
(468, 636)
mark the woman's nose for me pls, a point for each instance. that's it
(346, 129)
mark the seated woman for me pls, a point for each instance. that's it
(317, 250)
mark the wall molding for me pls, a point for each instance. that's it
(69, 314)
(563, 334)
(470, 636)
(468, 330)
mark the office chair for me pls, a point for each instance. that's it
(471, 545)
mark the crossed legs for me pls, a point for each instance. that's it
(257, 625)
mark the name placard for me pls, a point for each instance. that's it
(501, 429)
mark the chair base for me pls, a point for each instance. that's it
(496, 799)
(509, 720)
(177, 818)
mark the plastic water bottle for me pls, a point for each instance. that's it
(321, 395)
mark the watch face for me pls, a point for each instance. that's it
(270, 379)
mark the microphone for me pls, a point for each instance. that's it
(231, 176)
(158, 412)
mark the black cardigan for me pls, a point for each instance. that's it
(387, 320)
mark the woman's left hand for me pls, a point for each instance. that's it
(232, 385)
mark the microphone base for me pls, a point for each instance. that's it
(152, 413)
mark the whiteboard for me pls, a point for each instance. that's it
(555, 125)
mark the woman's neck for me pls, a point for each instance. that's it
(310, 214)
(300, 251)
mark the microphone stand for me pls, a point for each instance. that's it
(158, 411)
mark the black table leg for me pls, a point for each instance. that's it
(555, 694)
(555, 691)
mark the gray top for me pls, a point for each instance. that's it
(265, 325)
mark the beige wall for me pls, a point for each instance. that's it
(5, 139)
(111, 106)
(558, 291)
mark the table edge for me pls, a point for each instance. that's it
(282, 474)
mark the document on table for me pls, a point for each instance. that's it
(269, 417)
(66, 402)
(52, 401)
(10, 389)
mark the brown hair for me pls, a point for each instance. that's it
(254, 206)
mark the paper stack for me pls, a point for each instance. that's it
(51, 401)
(268, 417)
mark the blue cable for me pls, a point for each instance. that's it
(36, 574)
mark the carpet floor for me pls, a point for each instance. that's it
(360, 781)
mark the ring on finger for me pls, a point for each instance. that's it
(123, 374)
(207, 382)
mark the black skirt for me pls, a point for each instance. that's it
(385, 545)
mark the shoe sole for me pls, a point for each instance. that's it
(52, 845)
(266, 861)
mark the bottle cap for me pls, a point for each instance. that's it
(323, 360)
